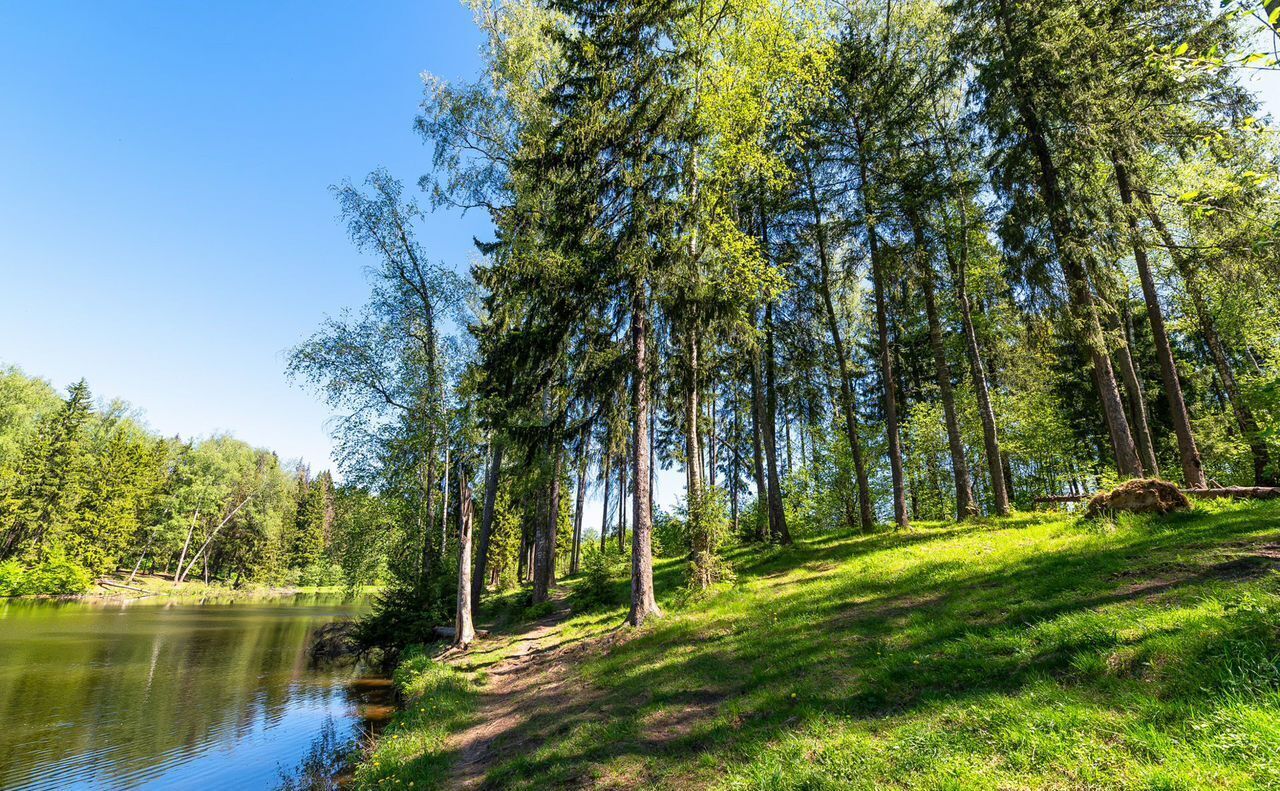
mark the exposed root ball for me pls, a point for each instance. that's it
(1139, 496)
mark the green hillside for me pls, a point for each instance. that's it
(1038, 651)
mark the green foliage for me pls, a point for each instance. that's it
(604, 579)
(87, 490)
(413, 751)
(49, 574)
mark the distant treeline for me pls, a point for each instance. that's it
(86, 490)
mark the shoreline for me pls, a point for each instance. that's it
(156, 588)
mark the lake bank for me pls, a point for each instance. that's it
(119, 588)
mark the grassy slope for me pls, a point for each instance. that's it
(1030, 652)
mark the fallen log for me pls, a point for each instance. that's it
(1238, 492)
(1230, 492)
(106, 584)
(447, 632)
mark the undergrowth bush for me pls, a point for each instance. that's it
(50, 574)
(603, 574)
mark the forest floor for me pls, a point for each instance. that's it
(1038, 651)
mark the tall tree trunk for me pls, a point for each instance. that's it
(643, 603)
(978, 374)
(1066, 240)
(757, 447)
(900, 515)
(491, 478)
(777, 516)
(734, 466)
(965, 506)
(464, 629)
(1248, 424)
(712, 446)
(848, 407)
(607, 475)
(444, 506)
(1188, 453)
(622, 499)
(429, 487)
(1131, 384)
(579, 501)
(692, 448)
(544, 553)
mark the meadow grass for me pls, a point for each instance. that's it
(1038, 651)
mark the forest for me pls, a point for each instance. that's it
(839, 265)
(86, 490)
(896, 294)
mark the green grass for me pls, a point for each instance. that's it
(411, 752)
(1031, 652)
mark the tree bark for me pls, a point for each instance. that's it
(491, 478)
(1245, 420)
(777, 515)
(901, 518)
(643, 603)
(847, 402)
(1132, 385)
(965, 506)
(464, 627)
(757, 446)
(579, 501)
(605, 473)
(1188, 453)
(544, 552)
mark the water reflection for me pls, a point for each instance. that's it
(168, 695)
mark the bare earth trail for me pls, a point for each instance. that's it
(528, 677)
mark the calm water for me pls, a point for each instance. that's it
(156, 695)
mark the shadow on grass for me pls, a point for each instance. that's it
(735, 672)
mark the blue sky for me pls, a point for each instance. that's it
(167, 232)
(167, 229)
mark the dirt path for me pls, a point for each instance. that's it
(529, 678)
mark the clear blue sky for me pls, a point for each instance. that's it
(167, 232)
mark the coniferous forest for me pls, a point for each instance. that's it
(889, 291)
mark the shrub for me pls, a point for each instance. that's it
(602, 577)
(50, 574)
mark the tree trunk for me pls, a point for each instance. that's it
(622, 499)
(606, 473)
(900, 516)
(444, 506)
(1188, 453)
(1137, 402)
(491, 479)
(847, 403)
(734, 467)
(777, 516)
(757, 446)
(1062, 228)
(579, 501)
(978, 375)
(1262, 476)
(965, 506)
(464, 628)
(643, 603)
(544, 553)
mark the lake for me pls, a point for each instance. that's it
(154, 694)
